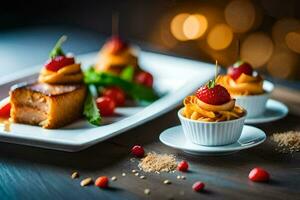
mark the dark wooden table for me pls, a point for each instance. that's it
(34, 173)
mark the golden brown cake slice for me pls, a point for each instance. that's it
(49, 106)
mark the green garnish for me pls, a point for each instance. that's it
(211, 84)
(57, 50)
(127, 73)
(136, 91)
(90, 110)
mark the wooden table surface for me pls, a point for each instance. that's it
(34, 173)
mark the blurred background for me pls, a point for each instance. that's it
(207, 30)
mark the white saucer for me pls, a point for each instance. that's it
(174, 137)
(275, 110)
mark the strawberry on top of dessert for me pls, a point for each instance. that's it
(241, 79)
(60, 68)
(212, 102)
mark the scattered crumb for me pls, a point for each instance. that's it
(136, 174)
(157, 163)
(142, 177)
(114, 178)
(123, 174)
(75, 175)
(167, 182)
(147, 191)
(183, 177)
(133, 171)
(287, 142)
(86, 182)
(178, 177)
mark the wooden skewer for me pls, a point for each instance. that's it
(115, 23)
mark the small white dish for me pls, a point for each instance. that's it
(256, 104)
(211, 133)
(275, 110)
(174, 137)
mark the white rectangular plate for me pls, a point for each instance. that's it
(177, 77)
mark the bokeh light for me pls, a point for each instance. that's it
(257, 49)
(176, 26)
(292, 40)
(240, 15)
(283, 64)
(194, 26)
(282, 27)
(220, 37)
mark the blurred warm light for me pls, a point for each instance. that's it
(257, 49)
(194, 26)
(292, 40)
(282, 27)
(220, 37)
(240, 15)
(177, 26)
(283, 64)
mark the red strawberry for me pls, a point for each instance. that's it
(213, 94)
(239, 68)
(259, 175)
(115, 44)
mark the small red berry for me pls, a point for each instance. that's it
(216, 95)
(259, 175)
(59, 62)
(106, 106)
(138, 151)
(5, 110)
(183, 166)
(102, 182)
(144, 78)
(198, 186)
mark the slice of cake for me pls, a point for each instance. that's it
(47, 105)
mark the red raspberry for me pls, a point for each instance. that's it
(183, 166)
(198, 186)
(259, 175)
(102, 182)
(138, 151)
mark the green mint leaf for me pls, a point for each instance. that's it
(127, 73)
(91, 111)
(211, 84)
(57, 50)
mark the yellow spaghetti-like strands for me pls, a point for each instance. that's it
(193, 111)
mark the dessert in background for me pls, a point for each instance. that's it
(247, 86)
(56, 99)
(242, 80)
(116, 55)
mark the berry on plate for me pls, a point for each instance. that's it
(5, 110)
(116, 93)
(106, 106)
(213, 94)
(144, 78)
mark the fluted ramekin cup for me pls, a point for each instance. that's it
(211, 133)
(255, 104)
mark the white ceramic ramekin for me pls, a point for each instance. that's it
(211, 133)
(255, 104)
